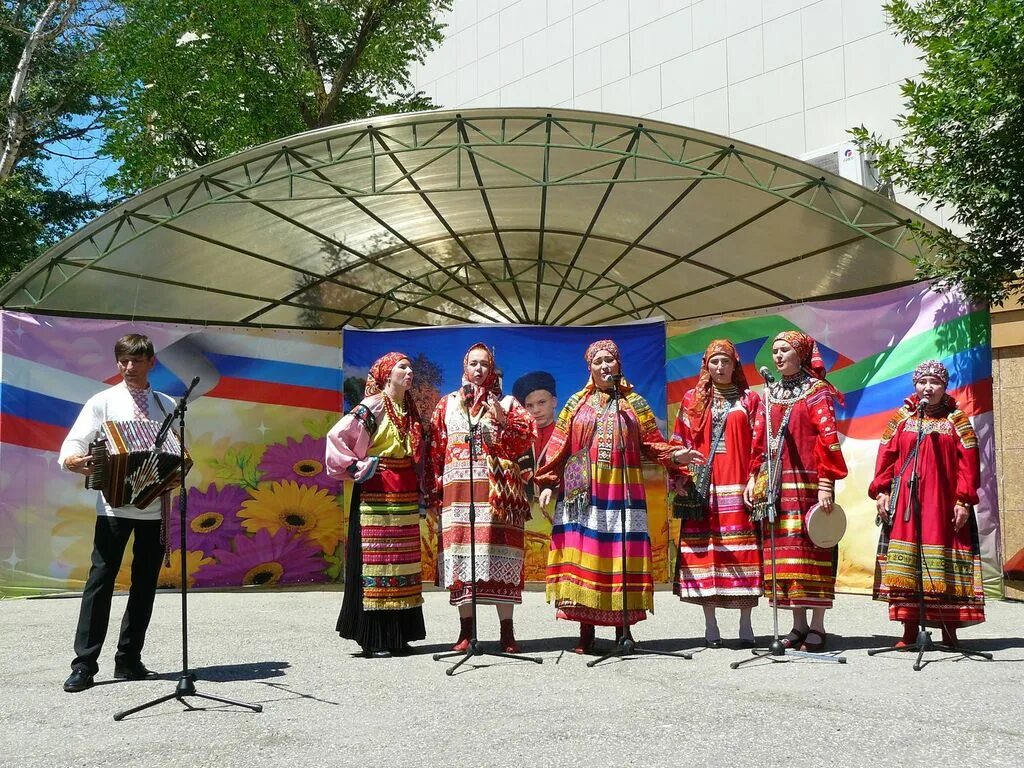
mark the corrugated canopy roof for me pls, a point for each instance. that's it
(492, 215)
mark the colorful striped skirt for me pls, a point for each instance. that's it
(719, 561)
(381, 608)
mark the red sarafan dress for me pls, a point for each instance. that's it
(949, 472)
(810, 453)
(719, 560)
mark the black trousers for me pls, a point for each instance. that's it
(109, 544)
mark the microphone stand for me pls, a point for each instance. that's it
(474, 648)
(924, 642)
(776, 651)
(625, 645)
(187, 679)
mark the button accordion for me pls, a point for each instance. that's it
(127, 469)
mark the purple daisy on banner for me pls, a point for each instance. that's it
(212, 519)
(266, 560)
(301, 462)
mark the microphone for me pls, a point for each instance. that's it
(615, 378)
(766, 374)
(921, 405)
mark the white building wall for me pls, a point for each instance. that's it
(789, 75)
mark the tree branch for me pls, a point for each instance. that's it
(367, 27)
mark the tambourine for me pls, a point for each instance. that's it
(825, 529)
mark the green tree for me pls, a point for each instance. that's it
(52, 106)
(960, 142)
(198, 80)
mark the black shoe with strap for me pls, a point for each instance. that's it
(131, 670)
(81, 679)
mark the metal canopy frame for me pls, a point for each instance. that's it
(497, 215)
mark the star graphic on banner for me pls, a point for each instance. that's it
(19, 331)
(13, 560)
(263, 429)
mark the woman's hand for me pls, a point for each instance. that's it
(826, 499)
(545, 498)
(748, 494)
(882, 505)
(496, 412)
(960, 514)
(688, 456)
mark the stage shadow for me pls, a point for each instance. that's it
(294, 694)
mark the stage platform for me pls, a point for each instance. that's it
(323, 705)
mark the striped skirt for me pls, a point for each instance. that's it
(381, 608)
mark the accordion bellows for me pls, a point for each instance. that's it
(127, 469)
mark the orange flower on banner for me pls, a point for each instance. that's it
(170, 576)
(300, 509)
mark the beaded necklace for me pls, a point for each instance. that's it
(398, 417)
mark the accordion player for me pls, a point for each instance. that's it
(127, 468)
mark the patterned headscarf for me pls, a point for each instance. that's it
(411, 425)
(492, 384)
(932, 368)
(705, 386)
(807, 349)
(606, 345)
(380, 371)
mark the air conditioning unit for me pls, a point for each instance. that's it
(848, 161)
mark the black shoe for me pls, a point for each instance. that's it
(378, 653)
(80, 680)
(131, 670)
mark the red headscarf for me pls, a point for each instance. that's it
(810, 357)
(807, 349)
(491, 383)
(380, 371)
(705, 386)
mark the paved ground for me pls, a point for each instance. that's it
(324, 706)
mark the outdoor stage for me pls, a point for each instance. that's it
(324, 706)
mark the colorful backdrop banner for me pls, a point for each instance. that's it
(437, 355)
(261, 510)
(871, 345)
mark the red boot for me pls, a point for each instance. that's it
(586, 642)
(465, 633)
(909, 639)
(508, 637)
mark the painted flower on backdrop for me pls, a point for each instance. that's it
(170, 576)
(212, 518)
(298, 509)
(301, 462)
(266, 559)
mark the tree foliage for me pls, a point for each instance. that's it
(960, 141)
(52, 105)
(198, 80)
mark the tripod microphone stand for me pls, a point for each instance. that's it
(186, 680)
(924, 642)
(776, 651)
(474, 648)
(626, 645)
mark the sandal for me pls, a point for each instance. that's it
(793, 639)
(815, 647)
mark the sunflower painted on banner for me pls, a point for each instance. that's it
(212, 519)
(301, 462)
(266, 559)
(170, 572)
(297, 509)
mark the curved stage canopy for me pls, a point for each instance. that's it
(494, 215)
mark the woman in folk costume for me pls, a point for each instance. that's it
(719, 564)
(379, 444)
(584, 461)
(949, 476)
(504, 431)
(804, 441)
